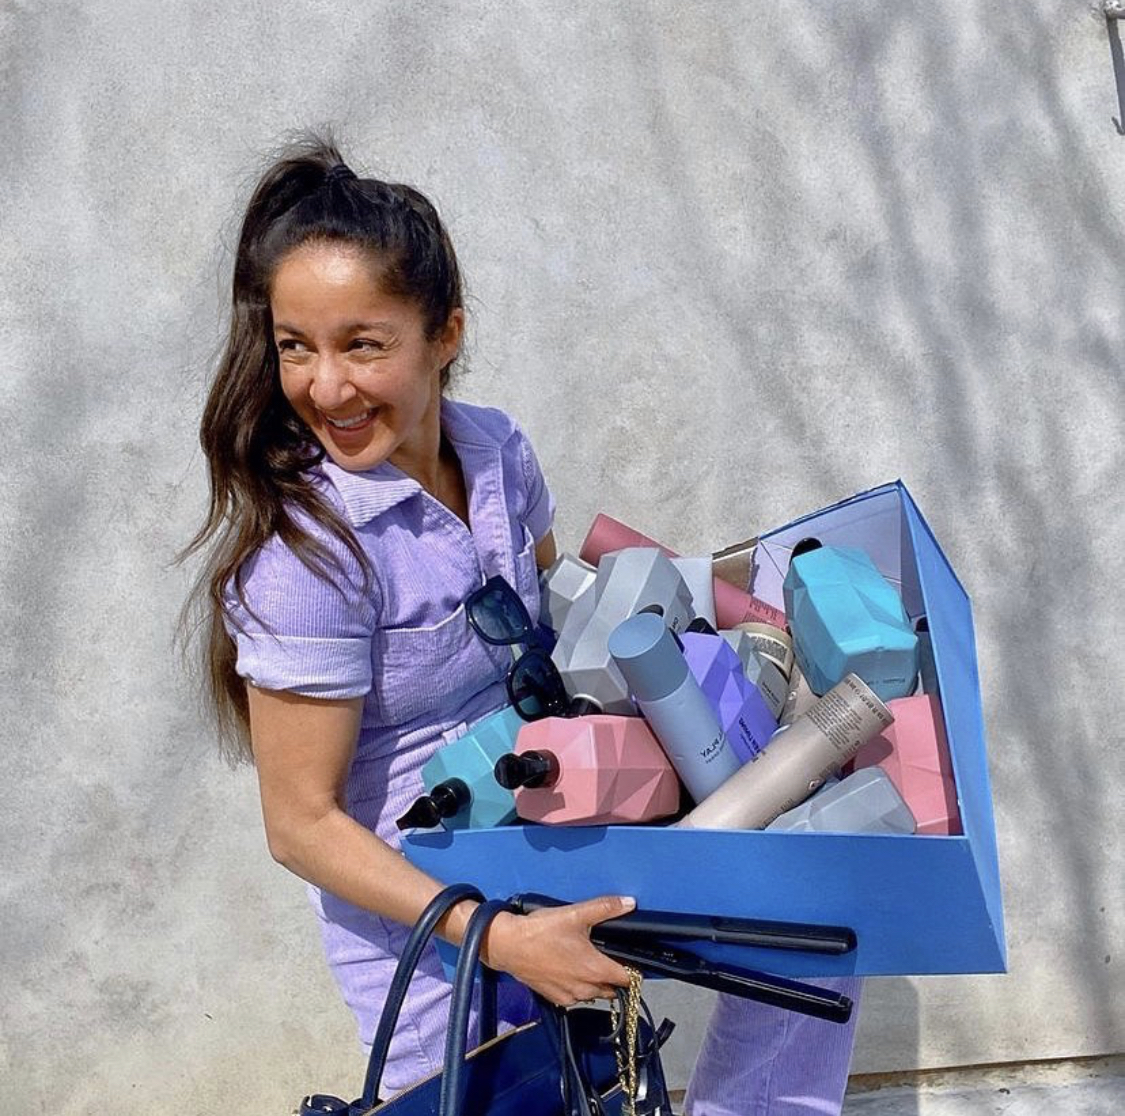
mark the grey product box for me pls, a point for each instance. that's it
(567, 580)
(627, 581)
(852, 805)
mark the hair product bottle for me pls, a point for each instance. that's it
(627, 581)
(740, 707)
(595, 770)
(915, 755)
(732, 606)
(846, 618)
(461, 792)
(561, 587)
(670, 699)
(797, 760)
(865, 802)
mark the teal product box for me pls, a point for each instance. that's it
(918, 903)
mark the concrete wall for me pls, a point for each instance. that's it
(728, 263)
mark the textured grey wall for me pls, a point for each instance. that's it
(729, 263)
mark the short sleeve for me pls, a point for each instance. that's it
(540, 510)
(300, 632)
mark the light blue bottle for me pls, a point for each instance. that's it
(678, 712)
(462, 792)
(846, 618)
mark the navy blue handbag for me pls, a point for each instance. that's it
(563, 1064)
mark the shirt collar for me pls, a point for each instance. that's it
(369, 494)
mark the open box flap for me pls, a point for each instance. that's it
(955, 661)
(872, 521)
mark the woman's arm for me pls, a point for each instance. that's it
(546, 551)
(303, 749)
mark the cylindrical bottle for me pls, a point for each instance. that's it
(677, 710)
(797, 760)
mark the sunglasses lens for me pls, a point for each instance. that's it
(498, 614)
(535, 687)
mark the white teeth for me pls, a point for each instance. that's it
(347, 424)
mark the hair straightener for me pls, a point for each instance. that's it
(833, 940)
(633, 940)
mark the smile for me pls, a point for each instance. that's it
(351, 423)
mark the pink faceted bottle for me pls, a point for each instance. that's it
(593, 770)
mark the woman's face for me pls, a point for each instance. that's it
(355, 363)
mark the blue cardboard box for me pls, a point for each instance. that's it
(918, 903)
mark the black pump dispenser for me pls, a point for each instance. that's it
(442, 802)
(531, 769)
(805, 545)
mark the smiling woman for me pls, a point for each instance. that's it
(353, 510)
(357, 364)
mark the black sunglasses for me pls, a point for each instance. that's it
(535, 687)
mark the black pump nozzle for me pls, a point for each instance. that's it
(442, 802)
(450, 796)
(805, 545)
(531, 769)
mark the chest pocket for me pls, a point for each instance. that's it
(527, 574)
(430, 672)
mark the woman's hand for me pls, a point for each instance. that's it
(550, 950)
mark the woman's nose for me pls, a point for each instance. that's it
(331, 387)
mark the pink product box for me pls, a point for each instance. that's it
(914, 753)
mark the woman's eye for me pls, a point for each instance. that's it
(289, 345)
(367, 345)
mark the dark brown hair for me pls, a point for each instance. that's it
(258, 451)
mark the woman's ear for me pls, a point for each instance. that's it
(449, 340)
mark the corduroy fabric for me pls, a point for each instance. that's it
(406, 647)
(761, 1061)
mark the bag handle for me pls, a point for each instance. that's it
(416, 942)
(453, 1081)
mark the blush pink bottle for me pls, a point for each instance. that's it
(914, 752)
(593, 770)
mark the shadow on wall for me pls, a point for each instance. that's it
(976, 246)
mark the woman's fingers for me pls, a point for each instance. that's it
(592, 911)
(550, 950)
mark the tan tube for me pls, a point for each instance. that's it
(795, 762)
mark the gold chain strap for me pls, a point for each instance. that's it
(625, 1044)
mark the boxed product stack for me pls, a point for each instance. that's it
(802, 735)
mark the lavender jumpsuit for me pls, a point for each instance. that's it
(406, 648)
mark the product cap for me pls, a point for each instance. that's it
(531, 769)
(422, 815)
(648, 656)
(805, 545)
(450, 796)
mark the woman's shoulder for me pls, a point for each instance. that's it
(478, 423)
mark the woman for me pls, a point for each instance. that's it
(353, 509)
